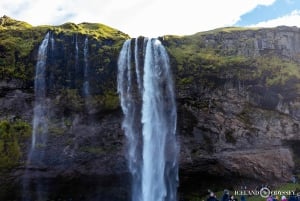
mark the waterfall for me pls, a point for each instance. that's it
(51, 58)
(131, 123)
(86, 87)
(40, 129)
(149, 121)
(40, 124)
(52, 42)
(137, 64)
(76, 54)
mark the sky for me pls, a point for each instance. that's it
(153, 18)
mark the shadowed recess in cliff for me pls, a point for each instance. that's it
(148, 104)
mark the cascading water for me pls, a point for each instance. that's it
(131, 123)
(52, 55)
(40, 124)
(137, 64)
(86, 87)
(76, 54)
(52, 42)
(40, 128)
(149, 122)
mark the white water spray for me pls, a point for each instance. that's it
(149, 122)
(40, 126)
(76, 54)
(86, 84)
(40, 122)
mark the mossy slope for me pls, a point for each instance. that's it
(246, 56)
(19, 42)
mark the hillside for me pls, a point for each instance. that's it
(237, 95)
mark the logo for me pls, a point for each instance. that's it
(264, 192)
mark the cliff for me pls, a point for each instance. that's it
(238, 100)
(237, 97)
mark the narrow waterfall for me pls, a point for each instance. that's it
(51, 76)
(131, 123)
(86, 87)
(149, 121)
(52, 42)
(40, 128)
(137, 64)
(76, 54)
(40, 124)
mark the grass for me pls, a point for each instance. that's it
(9, 23)
(228, 30)
(19, 41)
(97, 31)
(93, 150)
(11, 133)
(206, 54)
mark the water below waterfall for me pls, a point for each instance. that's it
(148, 104)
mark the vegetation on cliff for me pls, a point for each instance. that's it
(19, 43)
(235, 55)
(194, 53)
(12, 134)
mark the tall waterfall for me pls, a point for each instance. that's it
(40, 128)
(86, 87)
(76, 54)
(40, 123)
(149, 120)
(52, 42)
(51, 76)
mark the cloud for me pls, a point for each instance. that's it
(291, 19)
(135, 17)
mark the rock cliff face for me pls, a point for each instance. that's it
(237, 97)
(282, 41)
(238, 104)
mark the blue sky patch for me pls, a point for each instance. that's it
(264, 13)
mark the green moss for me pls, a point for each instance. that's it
(111, 100)
(68, 122)
(289, 187)
(7, 22)
(22, 129)
(276, 70)
(15, 49)
(228, 30)
(70, 100)
(93, 150)
(186, 80)
(18, 42)
(94, 30)
(196, 59)
(11, 133)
